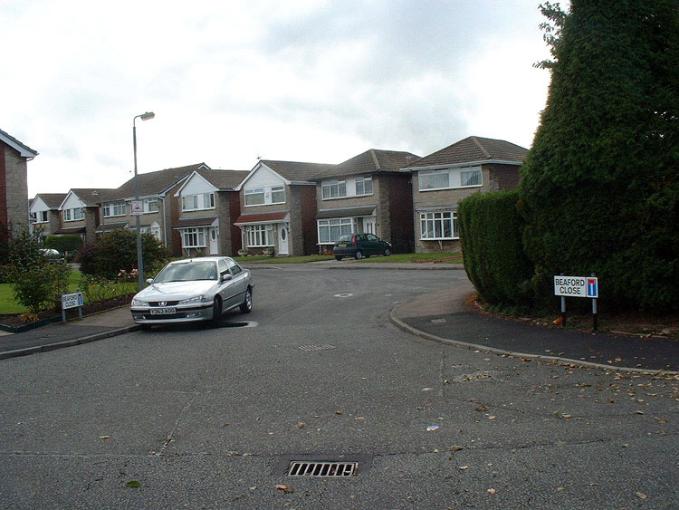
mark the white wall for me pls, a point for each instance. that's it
(262, 178)
(197, 185)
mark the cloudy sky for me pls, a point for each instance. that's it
(229, 81)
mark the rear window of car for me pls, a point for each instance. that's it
(346, 237)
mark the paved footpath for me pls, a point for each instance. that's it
(444, 316)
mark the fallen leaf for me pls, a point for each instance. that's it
(338, 412)
(455, 448)
(491, 491)
(641, 495)
(491, 417)
(463, 468)
(359, 418)
(133, 484)
(104, 438)
(482, 408)
(432, 428)
(638, 412)
(285, 489)
(300, 424)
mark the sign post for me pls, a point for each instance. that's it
(74, 300)
(578, 286)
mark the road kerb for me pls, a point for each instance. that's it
(539, 357)
(68, 343)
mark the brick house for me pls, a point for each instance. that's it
(367, 193)
(79, 212)
(442, 179)
(207, 205)
(14, 156)
(278, 207)
(156, 191)
(44, 213)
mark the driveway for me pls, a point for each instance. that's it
(196, 417)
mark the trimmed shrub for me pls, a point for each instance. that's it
(600, 187)
(63, 244)
(117, 251)
(490, 234)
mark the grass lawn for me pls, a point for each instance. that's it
(264, 259)
(418, 258)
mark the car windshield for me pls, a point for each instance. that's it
(187, 271)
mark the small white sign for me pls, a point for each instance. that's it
(72, 300)
(136, 207)
(576, 286)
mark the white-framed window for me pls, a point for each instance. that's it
(194, 237)
(74, 214)
(330, 230)
(254, 196)
(450, 178)
(364, 185)
(278, 195)
(259, 235)
(40, 217)
(151, 205)
(334, 189)
(265, 195)
(115, 209)
(438, 225)
(470, 177)
(198, 202)
(434, 180)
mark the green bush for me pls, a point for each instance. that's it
(63, 244)
(600, 187)
(490, 234)
(37, 283)
(117, 251)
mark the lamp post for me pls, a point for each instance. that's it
(140, 256)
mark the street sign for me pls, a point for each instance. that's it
(72, 300)
(136, 207)
(576, 286)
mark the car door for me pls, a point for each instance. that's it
(238, 283)
(373, 243)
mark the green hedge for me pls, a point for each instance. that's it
(490, 233)
(63, 243)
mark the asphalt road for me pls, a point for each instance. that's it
(208, 418)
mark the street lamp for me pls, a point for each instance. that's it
(140, 257)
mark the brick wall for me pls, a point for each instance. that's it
(13, 188)
(401, 212)
(504, 177)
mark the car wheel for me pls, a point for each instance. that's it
(358, 255)
(217, 310)
(338, 257)
(246, 305)
(387, 252)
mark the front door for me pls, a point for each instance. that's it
(283, 235)
(214, 241)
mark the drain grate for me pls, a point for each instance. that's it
(312, 347)
(322, 469)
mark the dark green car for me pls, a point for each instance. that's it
(360, 246)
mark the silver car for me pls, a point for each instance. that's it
(194, 290)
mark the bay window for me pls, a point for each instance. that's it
(259, 235)
(438, 225)
(329, 231)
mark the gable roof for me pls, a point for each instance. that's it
(298, 170)
(90, 196)
(155, 183)
(474, 149)
(51, 200)
(24, 150)
(375, 161)
(224, 179)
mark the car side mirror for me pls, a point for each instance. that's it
(225, 277)
(149, 281)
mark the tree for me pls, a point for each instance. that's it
(600, 191)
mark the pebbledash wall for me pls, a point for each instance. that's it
(13, 188)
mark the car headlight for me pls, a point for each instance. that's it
(195, 299)
(139, 302)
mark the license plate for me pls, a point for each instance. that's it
(168, 310)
